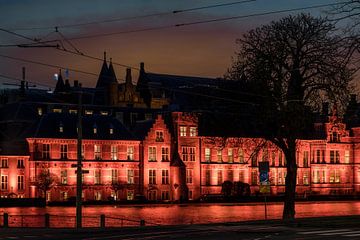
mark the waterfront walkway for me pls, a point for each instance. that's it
(345, 227)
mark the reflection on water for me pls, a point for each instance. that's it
(192, 213)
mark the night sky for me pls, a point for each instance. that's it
(196, 50)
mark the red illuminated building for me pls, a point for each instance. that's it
(143, 141)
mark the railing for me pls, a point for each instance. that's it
(69, 221)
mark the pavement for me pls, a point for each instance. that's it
(345, 227)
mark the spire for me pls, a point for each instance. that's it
(111, 73)
(60, 86)
(103, 76)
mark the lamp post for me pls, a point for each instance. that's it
(79, 166)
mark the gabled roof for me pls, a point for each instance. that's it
(49, 127)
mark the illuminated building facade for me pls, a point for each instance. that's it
(146, 141)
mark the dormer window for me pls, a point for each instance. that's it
(61, 127)
(182, 131)
(88, 112)
(73, 111)
(40, 111)
(334, 137)
(105, 113)
(95, 129)
(57, 110)
(193, 132)
(159, 136)
(111, 129)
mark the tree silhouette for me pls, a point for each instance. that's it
(291, 66)
(45, 180)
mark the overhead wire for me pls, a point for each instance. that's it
(136, 17)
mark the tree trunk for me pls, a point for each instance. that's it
(290, 182)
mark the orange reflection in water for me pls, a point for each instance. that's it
(169, 214)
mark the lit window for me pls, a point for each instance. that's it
(182, 131)
(241, 155)
(63, 151)
(188, 154)
(4, 163)
(159, 136)
(57, 110)
(63, 175)
(105, 113)
(114, 176)
(4, 182)
(97, 152)
(230, 155)
(63, 195)
(165, 176)
(152, 154)
(306, 159)
(97, 176)
(73, 111)
(88, 112)
(20, 163)
(111, 131)
(347, 156)
(219, 155)
(95, 128)
(192, 131)
(130, 176)
(61, 127)
(130, 153)
(165, 154)
(207, 154)
(130, 195)
(114, 152)
(46, 151)
(152, 176)
(40, 111)
(306, 178)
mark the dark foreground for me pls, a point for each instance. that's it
(346, 227)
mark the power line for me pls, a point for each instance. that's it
(18, 79)
(202, 22)
(47, 65)
(136, 17)
(57, 47)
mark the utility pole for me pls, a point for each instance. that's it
(79, 166)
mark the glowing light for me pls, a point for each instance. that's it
(56, 76)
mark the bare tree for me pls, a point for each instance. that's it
(292, 65)
(45, 181)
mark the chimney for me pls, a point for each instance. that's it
(76, 83)
(128, 75)
(142, 67)
(325, 108)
